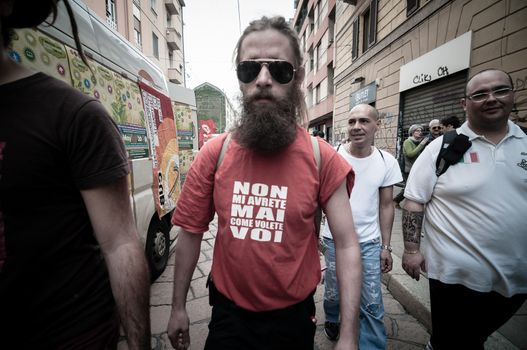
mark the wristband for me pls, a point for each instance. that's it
(411, 251)
(387, 247)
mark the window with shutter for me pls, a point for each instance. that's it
(411, 6)
(355, 40)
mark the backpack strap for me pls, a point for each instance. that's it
(316, 151)
(453, 148)
(318, 212)
(382, 155)
(223, 150)
(441, 166)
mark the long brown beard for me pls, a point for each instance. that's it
(271, 127)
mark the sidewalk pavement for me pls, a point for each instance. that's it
(415, 298)
(404, 331)
(407, 306)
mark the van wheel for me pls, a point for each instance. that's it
(157, 246)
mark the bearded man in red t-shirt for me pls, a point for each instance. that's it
(266, 191)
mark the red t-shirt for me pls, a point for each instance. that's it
(265, 254)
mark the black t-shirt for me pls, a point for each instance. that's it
(54, 142)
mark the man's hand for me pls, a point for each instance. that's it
(386, 261)
(178, 329)
(187, 253)
(413, 264)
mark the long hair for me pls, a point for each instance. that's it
(279, 24)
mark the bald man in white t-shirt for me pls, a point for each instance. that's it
(376, 172)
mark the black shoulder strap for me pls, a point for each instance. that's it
(441, 166)
(382, 155)
(453, 147)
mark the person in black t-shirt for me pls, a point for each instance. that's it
(71, 264)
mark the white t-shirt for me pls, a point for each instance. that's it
(476, 213)
(371, 173)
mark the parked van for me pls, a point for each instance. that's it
(136, 95)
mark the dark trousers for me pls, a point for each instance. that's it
(463, 318)
(234, 328)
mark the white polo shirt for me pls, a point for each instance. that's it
(476, 213)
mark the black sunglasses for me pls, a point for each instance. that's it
(281, 71)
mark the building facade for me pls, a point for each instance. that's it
(153, 26)
(412, 58)
(216, 113)
(314, 22)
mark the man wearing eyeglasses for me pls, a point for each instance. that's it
(265, 191)
(436, 129)
(474, 226)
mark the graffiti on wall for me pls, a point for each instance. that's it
(519, 112)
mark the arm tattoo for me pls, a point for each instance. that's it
(412, 222)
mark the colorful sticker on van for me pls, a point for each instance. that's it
(120, 96)
(135, 140)
(161, 131)
(184, 124)
(186, 157)
(37, 51)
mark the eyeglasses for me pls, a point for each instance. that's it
(281, 71)
(483, 96)
(436, 128)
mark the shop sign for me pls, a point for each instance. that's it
(366, 95)
(449, 58)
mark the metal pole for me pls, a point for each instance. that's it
(239, 19)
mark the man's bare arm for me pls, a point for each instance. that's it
(348, 264)
(412, 222)
(187, 255)
(113, 224)
(386, 214)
